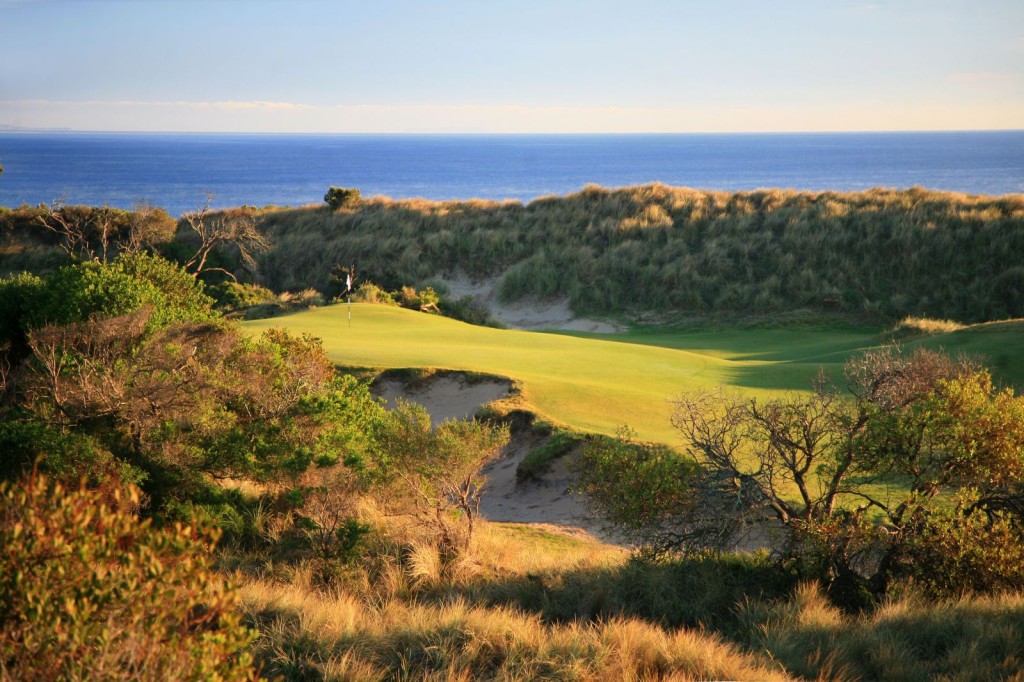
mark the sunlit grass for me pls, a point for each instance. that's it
(597, 384)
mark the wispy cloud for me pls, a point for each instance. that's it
(271, 116)
(987, 78)
(227, 105)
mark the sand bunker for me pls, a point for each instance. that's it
(527, 314)
(547, 501)
(444, 397)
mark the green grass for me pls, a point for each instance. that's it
(597, 384)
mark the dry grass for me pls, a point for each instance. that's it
(518, 610)
(408, 617)
(972, 638)
(922, 326)
(342, 638)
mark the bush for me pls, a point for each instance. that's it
(87, 590)
(234, 295)
(537, 461)
(340, 197)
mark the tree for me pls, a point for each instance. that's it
(102, 233)
(125, 366)
(438, 470)
(235, 230)
(147, 227)
(339, 197)
(852, 484)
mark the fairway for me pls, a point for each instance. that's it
(592, 384)
(600, 383)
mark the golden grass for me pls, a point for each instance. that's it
(402, 624)
(923, 326)
(343, 638)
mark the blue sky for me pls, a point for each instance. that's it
(512, 66)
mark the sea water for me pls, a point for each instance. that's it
(179, 171)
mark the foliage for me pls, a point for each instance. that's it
(88, 232)
(881, 253)
(538, 461)
(341, 197)
(425, 299)
(77, 292)
(131, 368)
(368, 292)
(438, 470)
(644, 492)
(470, 310)
(806, 467)
(88, 591)
(234, 295)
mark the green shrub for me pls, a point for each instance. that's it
(339, 197)
(885, 253)
(470, 310)
(538, 461)
(88, 591)
(368, 292)
(234, 295)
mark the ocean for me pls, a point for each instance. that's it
(179, 171)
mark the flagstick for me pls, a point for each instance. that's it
(350, 310)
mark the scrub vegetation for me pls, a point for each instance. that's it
(183, 496)
(881, 254)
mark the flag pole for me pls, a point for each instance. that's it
(348, 291)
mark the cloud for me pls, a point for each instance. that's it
(227, 105)
(986, 78)
(269, 116)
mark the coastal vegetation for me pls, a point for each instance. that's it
(640, 253)
(880, 254)
(201, 498)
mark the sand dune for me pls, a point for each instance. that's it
(530, 314)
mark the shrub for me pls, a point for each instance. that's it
(368, 292)
(87, 590)
(340, 197)
(537, 461)
(802, 467)
(233, 295)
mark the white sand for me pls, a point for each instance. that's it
(527, 314)
(445, 397)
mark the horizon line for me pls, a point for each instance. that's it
(5, 128)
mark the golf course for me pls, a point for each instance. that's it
(596, 383)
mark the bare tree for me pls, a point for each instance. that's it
(852, 482)
(72, 231)
(147, 226)
(236, 230)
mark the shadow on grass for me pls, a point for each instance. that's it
(697, 593)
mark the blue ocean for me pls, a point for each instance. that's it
(178, 171)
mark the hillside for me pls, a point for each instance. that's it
(673, 252)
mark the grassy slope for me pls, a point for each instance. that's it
(597, 384)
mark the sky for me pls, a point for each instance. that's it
(512, 66)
